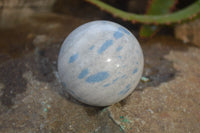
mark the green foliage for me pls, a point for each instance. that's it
(148, 30)
(162, 19)
(156, 7)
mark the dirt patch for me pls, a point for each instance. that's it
(171, 106)
(156, 67)
(11, 78)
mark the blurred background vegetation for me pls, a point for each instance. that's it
(13, 12)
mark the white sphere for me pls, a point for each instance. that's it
(100, 63)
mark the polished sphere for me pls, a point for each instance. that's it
(100, 63)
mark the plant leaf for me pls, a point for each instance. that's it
(156, 7)
(185, 14)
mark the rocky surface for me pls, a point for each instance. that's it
(31, 96)
(189, 32)
(25, 3)
(41, 108)
(32, 99)
(13, 11)
(172, 106)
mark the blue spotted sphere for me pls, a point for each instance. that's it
(100, 63)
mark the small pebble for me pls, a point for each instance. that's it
(45, 109)
(145, 79)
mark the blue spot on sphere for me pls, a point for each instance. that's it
(115, 80)
(124, 91)
(119, 48)
(118, 34)
(105, 46)
(98, 77)
(92, 47)
(83, 73)
(73, 58)
(124, 76)
(135, 70)
(106, 85)
(124, 30)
